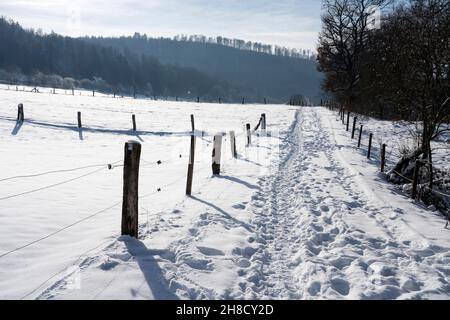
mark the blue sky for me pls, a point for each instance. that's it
(291, 23)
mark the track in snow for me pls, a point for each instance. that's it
(315, 229)
(323, 234)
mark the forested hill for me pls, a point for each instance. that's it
(261, 74)
(152, 67)
(30, 57)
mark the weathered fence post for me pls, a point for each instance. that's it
(192, 123)
(263, 122)
(249, 134)
(233, 144)
(265, 101)
(370, 145)
(198, 99)
(354, 127)
(130, 206)
(217, 150)
(20, 113)
(133, 119)
(220, 100)
(348, 119)
(243, 100)
(191, 166)
(79, 119)
(93, 93)
(383, 157)
(415, 179)
(360, 134)
(342, 116)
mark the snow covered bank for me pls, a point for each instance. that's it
(301, 214)
(49, 141)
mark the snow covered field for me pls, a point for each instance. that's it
(301, 214)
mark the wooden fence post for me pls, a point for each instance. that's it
(249, 134)
(198, 99)
(79, 119)
(191, 166)
(265, 101)
(360, 134)
(133, 119)
(93, 93)
(130, 206)
(354, 127)
(220, 100)
(370, 145)
(263, 123)
(383, 157)
(415, 179)
(342, 116)
(217, 151)
(243, 100)
(348, 119)
(233, 144)
(20, 113)
(192, 123)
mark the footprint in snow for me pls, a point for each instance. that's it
(239, 206)
(341, 286)
(210, 251)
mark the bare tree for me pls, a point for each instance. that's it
(342, 41)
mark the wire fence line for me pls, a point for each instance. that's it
(65, 268)
(159, 189)
(387, 156)
(59, 230)
(52, 185)
(59, 171)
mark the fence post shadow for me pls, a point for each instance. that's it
(153, 274)
(80, 133)
(223, 212)
(17, 127)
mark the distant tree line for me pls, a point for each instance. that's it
(255, 72)
(246, 45)
(237, 44)
(35, 58)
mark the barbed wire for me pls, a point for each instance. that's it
(112, 164)
(65, 268)
(53, 185)
(59, 230)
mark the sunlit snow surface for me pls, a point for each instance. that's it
(301, 214)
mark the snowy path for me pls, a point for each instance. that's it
(327, 234)
(323, 225)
